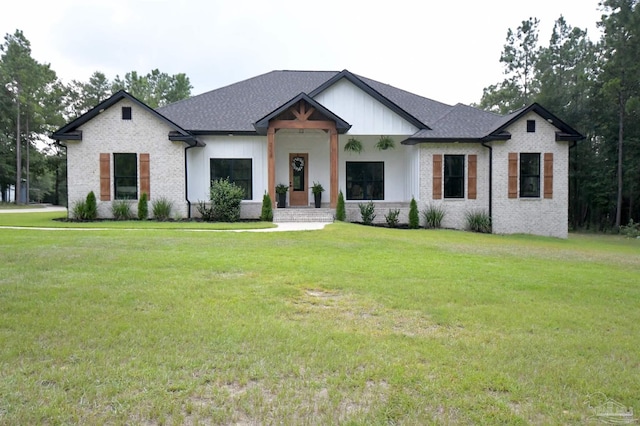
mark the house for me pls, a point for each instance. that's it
(291, 127)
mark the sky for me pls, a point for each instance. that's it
(446, 50)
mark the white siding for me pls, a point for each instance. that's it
(366, 115)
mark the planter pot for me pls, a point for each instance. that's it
(317, 198)
(282, 201)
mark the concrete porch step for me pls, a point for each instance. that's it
(303, 214)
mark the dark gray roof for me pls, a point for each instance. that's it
(237, 107)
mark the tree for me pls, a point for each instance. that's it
(30, 93)
(620, 75)
(155, 89)
(519, 56)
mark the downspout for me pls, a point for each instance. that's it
(186, 181)
(490, 177)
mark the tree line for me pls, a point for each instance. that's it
(34, 102)
(595, 87)
(592, 85)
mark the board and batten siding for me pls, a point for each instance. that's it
(366, 115)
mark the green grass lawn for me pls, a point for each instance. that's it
(349, 325)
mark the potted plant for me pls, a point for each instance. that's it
(385, 143)
(281, 190)
(353, 145)
(317, 190)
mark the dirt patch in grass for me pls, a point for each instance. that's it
(359, 314)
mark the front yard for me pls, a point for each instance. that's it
(350, 324)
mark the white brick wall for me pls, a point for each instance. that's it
(455, 208)
(539, 216)
(144, 133)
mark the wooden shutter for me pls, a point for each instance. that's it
(548, 175)
(513, 175)
(437, 176)
(472, 176)
(105, 177)
(145, 184)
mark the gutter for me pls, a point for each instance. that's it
(490, 177)
(186, 181)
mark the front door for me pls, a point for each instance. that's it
(298, 185)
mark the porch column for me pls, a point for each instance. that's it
(271, 165)
(334, 167)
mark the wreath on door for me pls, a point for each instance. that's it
(297, 164)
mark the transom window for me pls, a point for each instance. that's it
(365, 180)
(237, 170)
(530, 175)
(454, 176)
(125, 176)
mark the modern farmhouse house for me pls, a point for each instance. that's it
(291, 128)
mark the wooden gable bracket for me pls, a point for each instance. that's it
(301, 112)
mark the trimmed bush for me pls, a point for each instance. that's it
(392, 218)
(367, 212)
(121, 210)
(226, 198)
(433, 216)
(161, 208)
(478, 221)
(91, 207)
(414, 217)
(143, 207)
(341, 212)
(267, 208)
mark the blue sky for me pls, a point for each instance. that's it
(447, 51)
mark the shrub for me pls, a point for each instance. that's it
(91, 207)
(205, 212)
(226, 198)
(367, 212)
(478, 221)
(79, 210)
(414, 217)
(121, 209)
(143, 207)
(341, 212)
(433, 216)
(392, 218)
(631, 230)
(161, 208)
(267, 208)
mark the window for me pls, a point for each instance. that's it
(531, 126)
(365, 180)
(125, 176)
(126, 113)
(237, 170)
(454, 176)
(529, 175)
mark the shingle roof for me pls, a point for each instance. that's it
(237, 107)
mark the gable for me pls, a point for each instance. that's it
(73, 131)
(367, 115)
